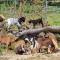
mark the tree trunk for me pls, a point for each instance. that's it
(54, 29)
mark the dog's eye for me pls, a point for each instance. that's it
(46, 37)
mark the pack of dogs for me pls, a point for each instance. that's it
(29, 43)
(46, 43)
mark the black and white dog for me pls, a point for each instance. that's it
(16, 21)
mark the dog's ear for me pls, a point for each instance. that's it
(23, 19)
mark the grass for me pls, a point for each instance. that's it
(53, 16)
(54, 19)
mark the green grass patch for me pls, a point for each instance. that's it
(53, 17)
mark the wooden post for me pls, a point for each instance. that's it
(44, 11)
(21, 7)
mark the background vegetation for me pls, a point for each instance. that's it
(32, 9)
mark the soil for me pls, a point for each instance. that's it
(37, 56)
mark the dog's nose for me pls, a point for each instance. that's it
(23, 49)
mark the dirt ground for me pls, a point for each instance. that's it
(37, 56)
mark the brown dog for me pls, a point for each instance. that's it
(48, 42)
